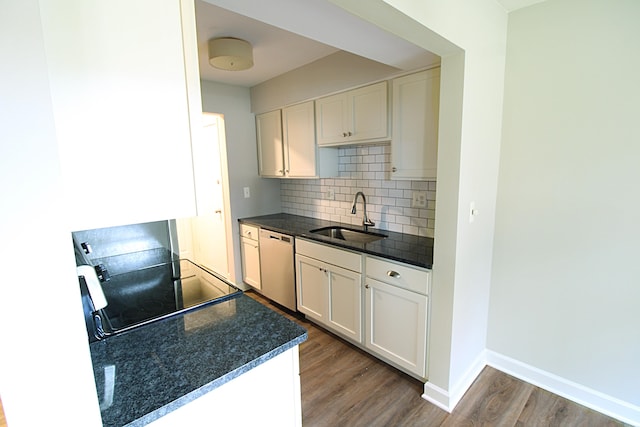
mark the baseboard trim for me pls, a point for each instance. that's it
(593, 399)
(448, 400)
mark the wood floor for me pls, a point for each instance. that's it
(344, 386)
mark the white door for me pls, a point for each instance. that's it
(210, 228)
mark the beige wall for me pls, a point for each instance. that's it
(565, 286)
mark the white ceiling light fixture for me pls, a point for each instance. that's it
(231, 54)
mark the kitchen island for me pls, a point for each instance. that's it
(159, 371)
(407, 248)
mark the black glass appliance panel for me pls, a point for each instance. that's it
(148, 294)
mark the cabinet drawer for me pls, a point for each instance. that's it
(249, 231)
(398, 274)
(345, 259)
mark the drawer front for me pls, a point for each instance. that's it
(249, 231)
(398, 274)
(345, 259)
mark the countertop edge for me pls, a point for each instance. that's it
(195, 394)
(266, 222)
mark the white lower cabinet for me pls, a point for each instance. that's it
(396, 313)
(327, 293)
(250, 255)
(388, 316)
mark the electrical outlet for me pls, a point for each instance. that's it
(247, 192)
(330, 194)
(419, 199)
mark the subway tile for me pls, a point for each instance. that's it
(367, 169)
(396, 193)
(403, 185)
(389, 201)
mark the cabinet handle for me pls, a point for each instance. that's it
(349, 134)
(393, 274)
(344, 134)
(366, 286)
(394, 169)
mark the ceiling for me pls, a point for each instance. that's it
(277, 50)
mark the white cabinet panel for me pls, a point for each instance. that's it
(299, 137)
(311, 289)
(126, 95)
(359, 115)
(414, 139)
(396, 325)
(270, 149)
(345, 302)
(250, 253)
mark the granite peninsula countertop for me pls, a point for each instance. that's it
(407, 248)
(162, 366)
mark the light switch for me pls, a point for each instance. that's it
(247, 192)
(472, 211)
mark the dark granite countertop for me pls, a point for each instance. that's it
(162, 366)
(401, 247)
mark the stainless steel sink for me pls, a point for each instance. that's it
(348, 234)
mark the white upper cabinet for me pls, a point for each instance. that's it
(126, 97)
(270, 150)
(414, 139)
(299, 140)
(355, 116)
(287, 145)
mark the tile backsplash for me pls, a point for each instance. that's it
(364, 168)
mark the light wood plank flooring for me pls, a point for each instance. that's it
(344, 386)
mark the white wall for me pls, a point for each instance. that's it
(45, 367)
(471, 39)
(565, 286)
(242, 158)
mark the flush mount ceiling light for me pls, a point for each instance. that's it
(228, 53)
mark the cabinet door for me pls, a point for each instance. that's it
(250, 252)
(299, 138)
(345, 302)
(331, 119)
(269, 138)
(396, 325)
(369, 117)
(414, 142)
(311, 288)
(126, 98)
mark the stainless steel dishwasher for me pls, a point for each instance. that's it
(277, 268)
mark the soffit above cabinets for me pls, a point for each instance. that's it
(284, 38)
(278, 50)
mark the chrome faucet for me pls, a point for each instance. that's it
(365, 220)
